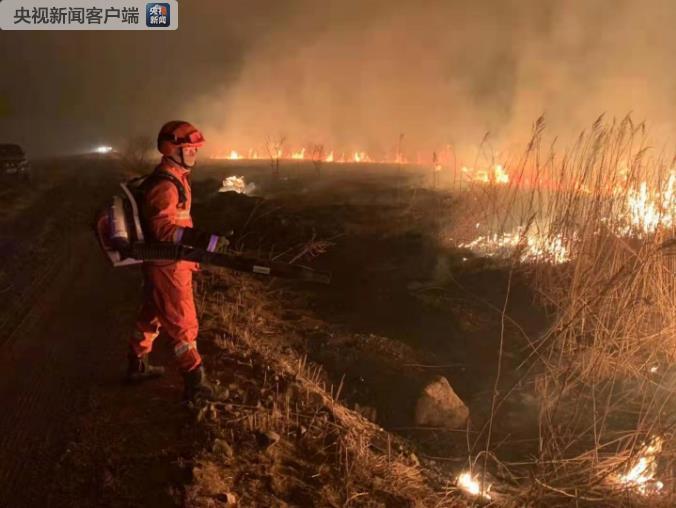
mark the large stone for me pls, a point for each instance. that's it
(439, 406)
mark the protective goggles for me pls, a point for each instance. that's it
(194, 138)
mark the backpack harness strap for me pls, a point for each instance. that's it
(153, 178)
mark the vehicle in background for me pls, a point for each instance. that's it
(13, 162)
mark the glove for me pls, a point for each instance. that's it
(218, 244)
(221, 243)
(201, 240)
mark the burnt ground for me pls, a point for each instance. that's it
(402, 308)
(403, 305)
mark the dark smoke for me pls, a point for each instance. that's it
(353, 75)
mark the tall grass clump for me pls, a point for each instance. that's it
(595, 227)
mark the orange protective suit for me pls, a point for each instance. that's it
(168, 292)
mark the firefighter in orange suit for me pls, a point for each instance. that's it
(168, 292)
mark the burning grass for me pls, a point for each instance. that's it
(593, 230)
(598, 225)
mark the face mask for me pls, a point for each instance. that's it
(185, 159)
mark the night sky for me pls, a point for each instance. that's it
(348, 73)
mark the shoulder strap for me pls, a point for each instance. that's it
(163, 175)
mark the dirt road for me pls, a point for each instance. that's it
(63, 322)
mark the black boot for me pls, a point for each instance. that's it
(198, 388)
(140, 369)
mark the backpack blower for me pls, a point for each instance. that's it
(120, 233)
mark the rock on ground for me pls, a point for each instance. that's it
(439, 406)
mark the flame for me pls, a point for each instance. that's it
(438, 159)
(639, 211)
(400, 159)
(361, 157)
(641, 475)
(649, 210)
(536, 247)
(472, 486)
(496, 175)
(500, 175)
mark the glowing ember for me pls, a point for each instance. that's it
(641, 475)
(472, 486)
(237, 184)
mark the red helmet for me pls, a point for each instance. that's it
(178, 133)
